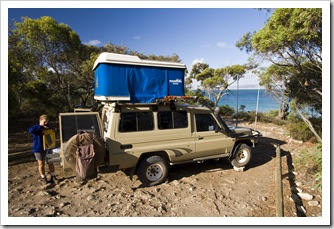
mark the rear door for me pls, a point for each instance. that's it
(72, 123)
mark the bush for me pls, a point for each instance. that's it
(298, 128)
(318, 175)
(226, 110)
(273, 113)
(309, 162)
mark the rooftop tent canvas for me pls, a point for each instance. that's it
(128, 78)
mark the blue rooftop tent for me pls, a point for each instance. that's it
(128, 78)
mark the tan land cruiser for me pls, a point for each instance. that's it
(148, 138)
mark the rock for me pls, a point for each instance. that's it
(298, 183)
(90, 197)
(305, 196)
(295, 198)
(313, 203)
(175, 183)
(299, 189)
(239, 169)
(42, 193)
(301, 208)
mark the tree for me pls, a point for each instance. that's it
(47, 52)
(50, 70)
(216, 81)
(291, 41)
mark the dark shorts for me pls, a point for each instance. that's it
(40, 155)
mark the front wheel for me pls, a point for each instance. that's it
(153, 170)
(242, 156)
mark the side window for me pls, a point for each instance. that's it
(205, 122)
(165, 120)
(136, 121)
(180, 119)
(172, 120)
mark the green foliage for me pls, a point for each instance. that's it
(298, 128)
(201, 98)
(226, 110)
(318, 160)
(273, 113)
(291, 40)
(50, 70)
(13, 102)
(242, 108)
(216, 81)
(309, 161)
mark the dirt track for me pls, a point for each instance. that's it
(210, 189)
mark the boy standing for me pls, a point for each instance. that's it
(40, 153)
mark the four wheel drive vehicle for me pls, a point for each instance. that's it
(148, 138)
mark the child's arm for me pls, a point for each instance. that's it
(36, 129)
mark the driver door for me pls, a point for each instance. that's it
(210, 142)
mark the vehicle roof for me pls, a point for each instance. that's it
(114, 58)
(185, 106)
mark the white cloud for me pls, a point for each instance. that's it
(93, 42)
(137, 37)
(221, 44)
(198, 61)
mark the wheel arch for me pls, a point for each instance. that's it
(237, 144)
(161, 153)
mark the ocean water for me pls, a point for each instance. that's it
(248, 97)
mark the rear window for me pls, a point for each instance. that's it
(172, 119)
(73, 124)
(136, 121)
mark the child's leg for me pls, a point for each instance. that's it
(52, 168)
(41, 167)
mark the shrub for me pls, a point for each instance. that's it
(226, 110)
(309, 162)
(318, 175)
(273, 113)
(298, 128)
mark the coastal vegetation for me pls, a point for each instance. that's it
(291, 42)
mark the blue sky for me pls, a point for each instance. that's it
(205, 32)
(194, 34)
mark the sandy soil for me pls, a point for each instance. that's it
(210, 189)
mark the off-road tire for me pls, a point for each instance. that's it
(242, 156)
(152, 170)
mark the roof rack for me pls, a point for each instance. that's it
(165, 99)
(176, 98)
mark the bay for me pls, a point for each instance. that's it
(248, 98)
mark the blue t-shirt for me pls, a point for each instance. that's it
(37, 132)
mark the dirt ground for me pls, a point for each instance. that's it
(209, 189)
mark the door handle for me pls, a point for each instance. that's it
(200, 138)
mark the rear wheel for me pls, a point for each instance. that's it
(153, 170)
(242, 156)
